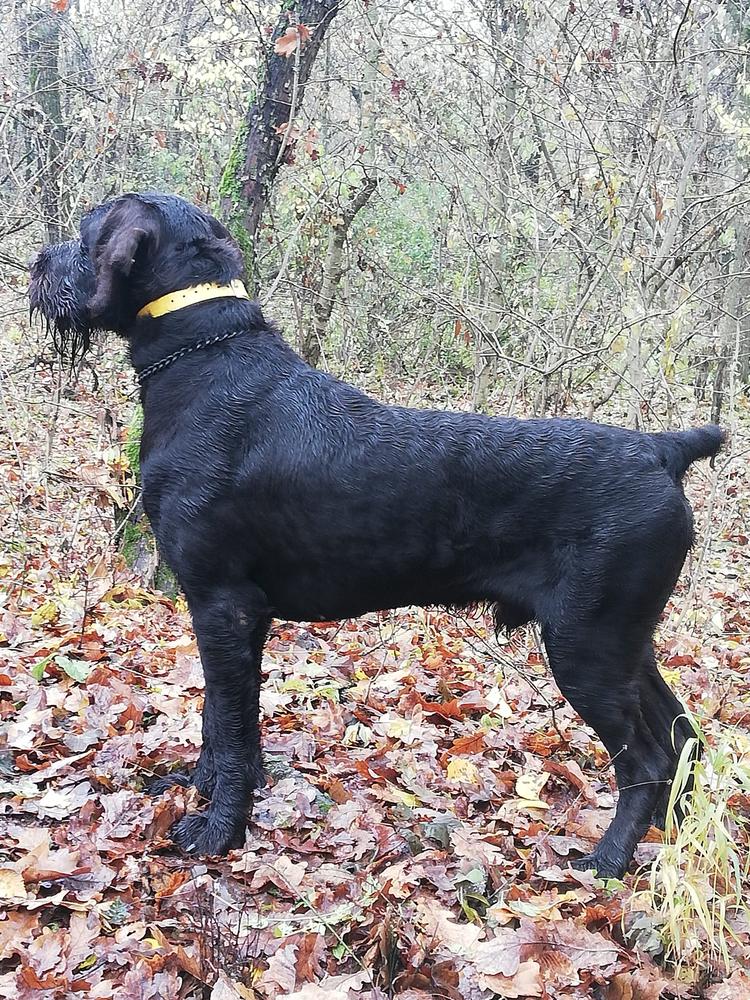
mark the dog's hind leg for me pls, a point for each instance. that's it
(598, 667)
(669, 726)
(231, 627)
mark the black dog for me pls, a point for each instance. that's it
(275, 489)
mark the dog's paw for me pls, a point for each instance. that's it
(159, 785)
(203, 834)
(202, 777)
(602, 866)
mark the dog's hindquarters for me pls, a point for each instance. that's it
(679, 449)
(601, 654)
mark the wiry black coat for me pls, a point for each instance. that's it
(336, 504)
(277, 490)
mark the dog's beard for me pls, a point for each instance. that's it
(69, 341)
(64, 322)
(60, 288)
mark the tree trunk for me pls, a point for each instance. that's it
(42, 37)
(731, 326)
(312, 345)
(265, 137)
(333, 270)
(180, 94)
(508, 24)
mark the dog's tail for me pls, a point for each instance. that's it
(679, 449)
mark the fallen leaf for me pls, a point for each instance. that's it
(283, 873)
(462, 771)
(474, 743)
(525, 982)
(16, 930)
(528, 786)
(559, 945)
(734, 988)
(438, 924)
(228, 989)
(641, 984)
(468, 843)
(330, 988)
(11, 884)
(573, 774)
(282, 968)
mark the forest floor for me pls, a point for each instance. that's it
(423, 798)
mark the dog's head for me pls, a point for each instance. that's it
(132, 250)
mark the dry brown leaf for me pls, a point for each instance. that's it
(561, 948)
(439, 926)
(284, 873)
(83, 930)
(281, 974)
(11, 884)
(572, 773)
(526, 982)
(330, 988)
(294, 36)
(229, 989)
(737, 987)
(310, 957)
(16, 929)
(45, 953)
(468, 843)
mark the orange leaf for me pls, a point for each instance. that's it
(572, 773)
(291, 40)
(171, 883)
(468, 744)
(375, 772)
(60, 6)
(25, 764)
(29, 978)
(445, 709)
(338, 792)
(287, 43)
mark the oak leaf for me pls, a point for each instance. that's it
(292, 39)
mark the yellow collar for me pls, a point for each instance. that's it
(189, 296)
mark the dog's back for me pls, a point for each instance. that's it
(336, 504)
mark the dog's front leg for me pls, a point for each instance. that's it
(203, 775)
(231, 627)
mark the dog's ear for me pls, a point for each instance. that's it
(132, 228)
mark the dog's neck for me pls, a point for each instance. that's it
(183, 297)
(186, 332)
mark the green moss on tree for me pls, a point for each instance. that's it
(230, 185)
(133, 535)
(230, 192)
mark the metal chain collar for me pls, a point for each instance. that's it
(170, 358)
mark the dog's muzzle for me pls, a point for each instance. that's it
(62, 283)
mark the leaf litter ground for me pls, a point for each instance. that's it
(427, 783)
